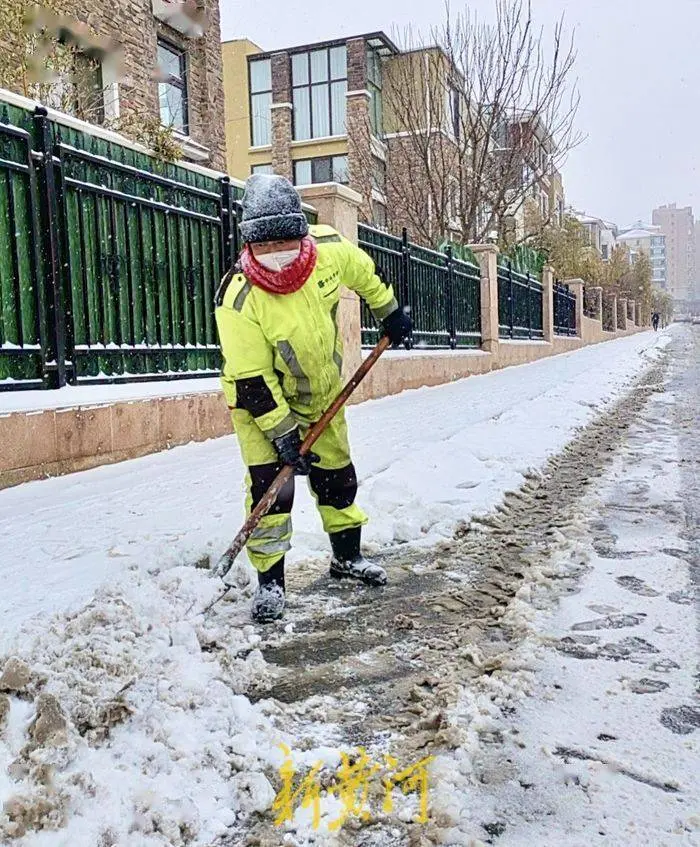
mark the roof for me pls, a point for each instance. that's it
(379, 40)
(636, 233)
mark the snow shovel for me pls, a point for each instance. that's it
(225, 563)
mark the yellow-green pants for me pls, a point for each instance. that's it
(333, 482)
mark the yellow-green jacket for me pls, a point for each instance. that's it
(283, 352)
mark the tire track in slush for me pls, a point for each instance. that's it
(404, 650)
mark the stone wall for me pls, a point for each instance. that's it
(131, 24)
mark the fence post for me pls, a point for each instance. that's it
(229, 225)
(631, 308)
(405, 276)
(450, 299)
(487, 255)
(51, 244)
(548, 303)
(511, 301)
(576, 286)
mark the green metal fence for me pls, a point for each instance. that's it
(109, 258)
(442, 293)
(519, 304)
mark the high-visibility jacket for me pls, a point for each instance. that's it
(283, 352)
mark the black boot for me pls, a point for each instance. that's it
(268, 602)
(348, 562)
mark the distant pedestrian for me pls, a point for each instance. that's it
(655, 318)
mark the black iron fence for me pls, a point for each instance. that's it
(442, 292)
(109, 259)
(564, 303)
(519, 304)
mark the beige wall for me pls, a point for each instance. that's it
(237, 108)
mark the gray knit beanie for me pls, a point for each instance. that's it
(271, 210)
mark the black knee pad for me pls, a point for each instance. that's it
(337, 488)
(262, 477)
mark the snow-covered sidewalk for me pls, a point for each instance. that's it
(426, 460)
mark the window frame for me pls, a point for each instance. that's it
(309, 85)
(314, 159)
(376, 90)
(180, 83)
(251, 94)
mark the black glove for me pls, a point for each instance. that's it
(397, 326)
(288, 447)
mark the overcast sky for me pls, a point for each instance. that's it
(639, 77)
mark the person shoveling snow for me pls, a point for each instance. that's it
(277, 320)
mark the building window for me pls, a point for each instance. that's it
(262, 169)
(321, 169)
(319, 86)
(379, 215)
(453, 112)
(604, 251)
(374, 85)
(379, 175)
(260, 72)
(172, 89)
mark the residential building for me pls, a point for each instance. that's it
(303, 112)
(603, 235)
(140, 60)
(649, 239)
(678, 226)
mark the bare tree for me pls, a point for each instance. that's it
(478, 121)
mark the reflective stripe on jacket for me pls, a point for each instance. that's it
(284, 351)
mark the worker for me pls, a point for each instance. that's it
(277, 317)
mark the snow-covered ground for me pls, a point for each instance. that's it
(426, 459)
(155, 742)
(603, 746)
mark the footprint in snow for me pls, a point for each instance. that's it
(664, 666)
(609, 622)
(647, 686)
(636, 586)
(683, 598)
(681, 720)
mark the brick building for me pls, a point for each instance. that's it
(169, 66)
(303, 112)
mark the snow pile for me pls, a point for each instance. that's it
(152, 741)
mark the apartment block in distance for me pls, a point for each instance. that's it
(302, 112)
(679, 228)
(643, 238)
